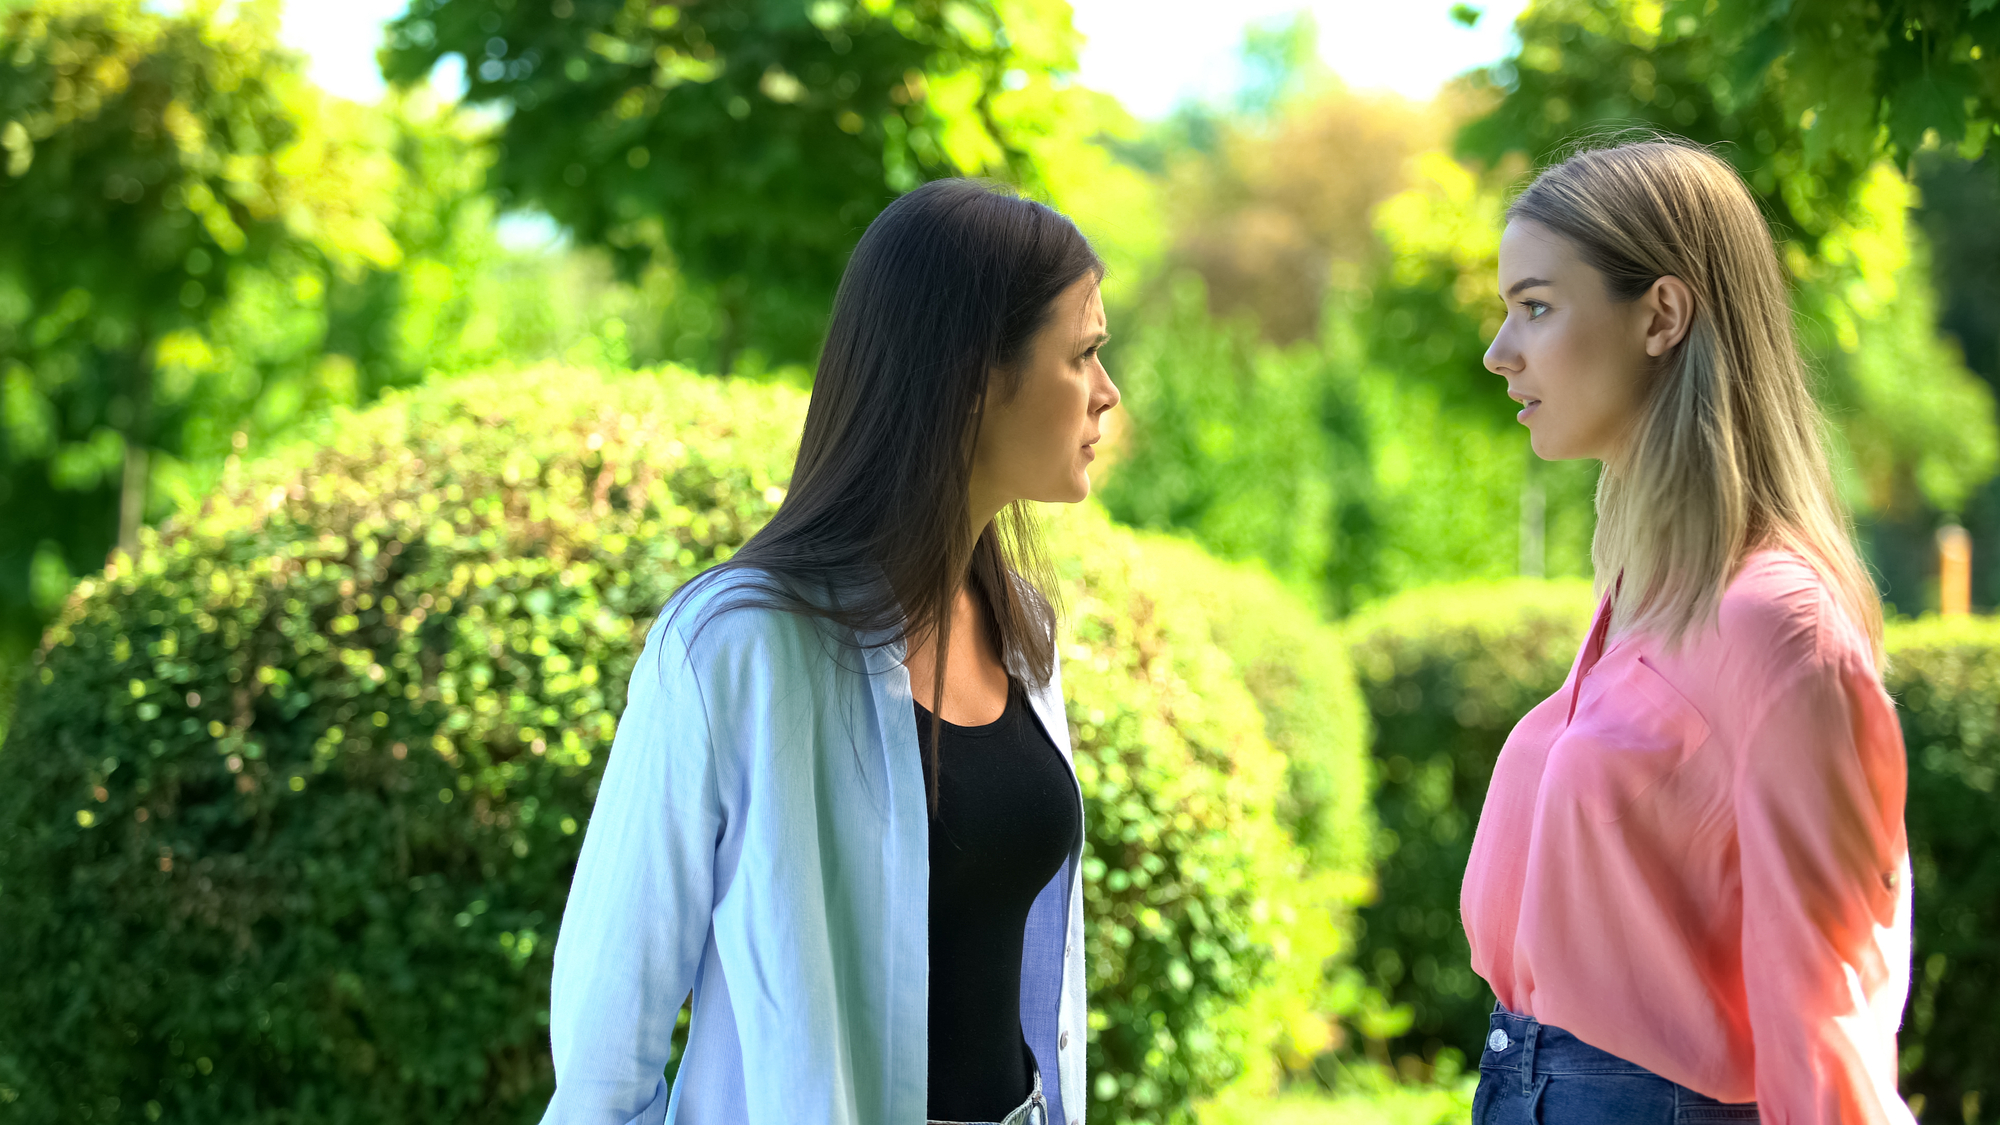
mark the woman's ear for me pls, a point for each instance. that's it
(1669, 308)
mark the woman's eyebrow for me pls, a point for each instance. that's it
(1526, 283)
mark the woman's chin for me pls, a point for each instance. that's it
(1074, 491)
(1548, 447)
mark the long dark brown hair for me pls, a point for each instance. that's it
(946, 291)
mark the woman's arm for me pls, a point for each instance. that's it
(1819, 812)
(638, 912)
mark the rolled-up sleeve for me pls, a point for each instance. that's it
(1825, 866)
(638, 913)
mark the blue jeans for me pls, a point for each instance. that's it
(1534, 1074)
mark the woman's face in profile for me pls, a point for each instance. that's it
(1036, 443)
(1575, 359)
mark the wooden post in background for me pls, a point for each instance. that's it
(1954, 571)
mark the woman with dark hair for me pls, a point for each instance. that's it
(840, 807)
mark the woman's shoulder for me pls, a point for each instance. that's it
(1780, 610)
(726, 611)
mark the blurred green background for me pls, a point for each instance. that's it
(208, 264)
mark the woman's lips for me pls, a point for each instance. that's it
(1528, 403)
(1089, 454)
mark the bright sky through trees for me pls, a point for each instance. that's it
(1149, 53)
(1152, 53)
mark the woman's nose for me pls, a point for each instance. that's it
(1501, 359)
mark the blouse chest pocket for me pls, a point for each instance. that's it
(1631, 729)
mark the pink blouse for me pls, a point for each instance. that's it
(1695, 860)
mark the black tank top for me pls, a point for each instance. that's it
(1007, 817)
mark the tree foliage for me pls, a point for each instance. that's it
(140, 160)
(1802, 97)
(1594, 67)
(1862, 78)
(752, 140)
(1267, 197)
(153, 165)
(1220, 436)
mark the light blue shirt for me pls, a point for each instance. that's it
(761, 837)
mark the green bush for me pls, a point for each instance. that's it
(1208, 927)
(291, 803)
(1298, 668)
(1313, 874)
(1945, 676)
(1447, 672)
(10, 675)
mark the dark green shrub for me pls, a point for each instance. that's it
(1298, 668)
(1446, 671)
(1312, 874)
(290, 805)
(10, 686)
(1202, 914)
(1945, 676)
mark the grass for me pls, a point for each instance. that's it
(1381, 1103)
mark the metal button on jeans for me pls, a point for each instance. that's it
(1498, 1041)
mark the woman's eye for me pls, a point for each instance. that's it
(1535, 309)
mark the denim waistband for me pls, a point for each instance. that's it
(1536, 1050)
(1522, 1055)
(1525, 1043)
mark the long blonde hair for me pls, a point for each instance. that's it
(1728, 455)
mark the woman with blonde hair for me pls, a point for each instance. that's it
(1690, 884)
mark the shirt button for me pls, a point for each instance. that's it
(1498, 1041)
(1066, 949)
(1062, 1041)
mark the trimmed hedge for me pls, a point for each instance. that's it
(1945, 676)
(291, 803)
(10, 675)
(1299, 670)
(1208, 929)
(290, 806)
(1448, 671)
(1298, 677)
